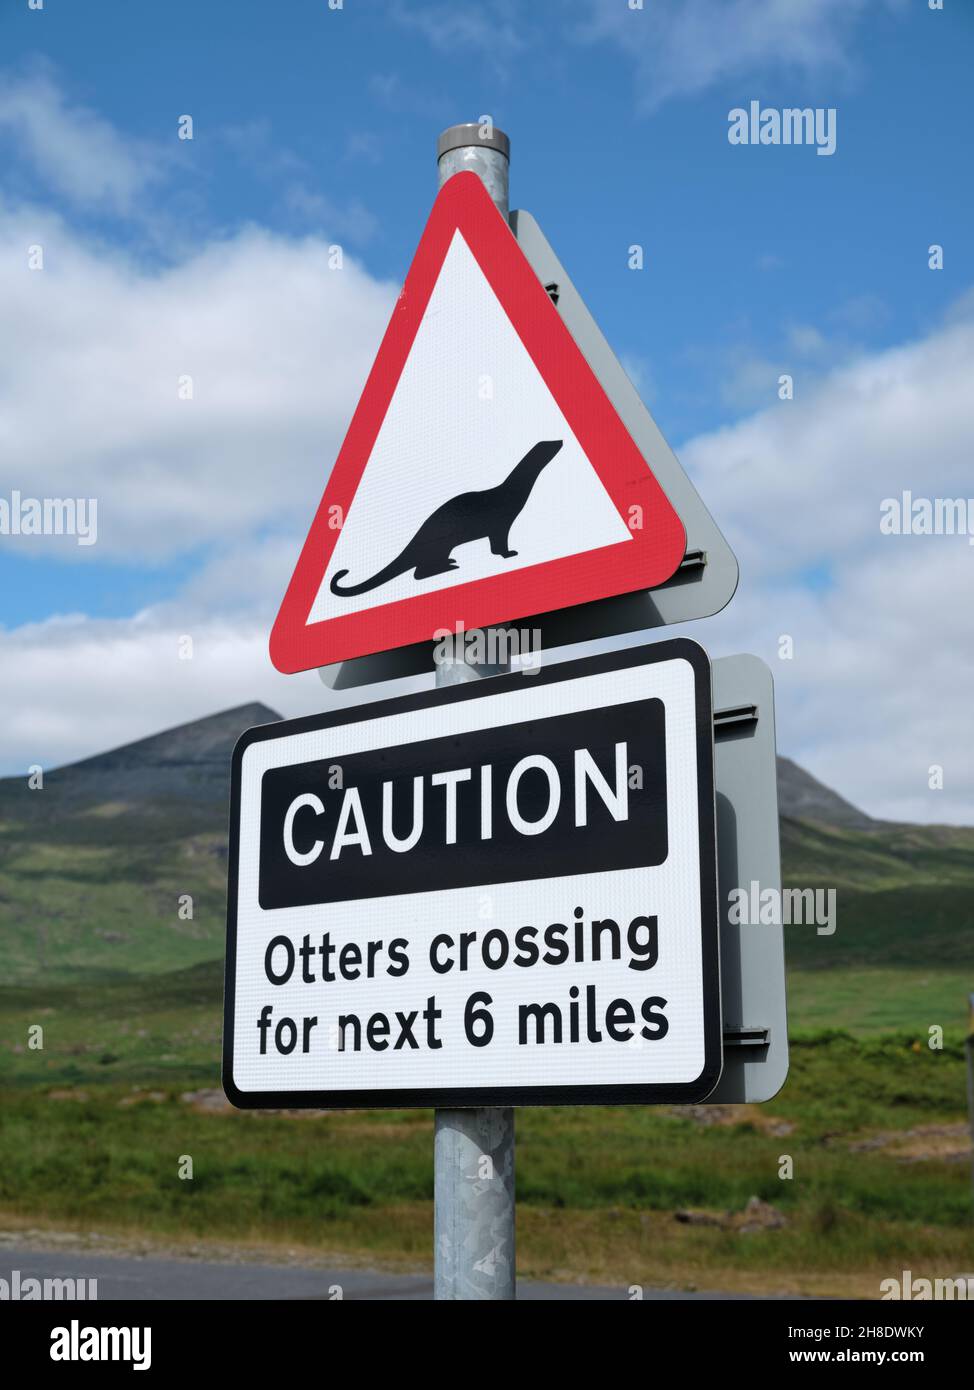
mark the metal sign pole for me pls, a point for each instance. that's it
(473, 1152)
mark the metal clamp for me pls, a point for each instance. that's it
(747, 1037)
(734, 716)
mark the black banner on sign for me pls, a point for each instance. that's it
(569, 794)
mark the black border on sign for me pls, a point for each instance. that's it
(631, 1094)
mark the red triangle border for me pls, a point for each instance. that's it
(652, 555)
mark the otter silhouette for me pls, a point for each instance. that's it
(471, 516)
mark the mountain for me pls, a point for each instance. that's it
(117, 864)
(802, 797)
(190, 761)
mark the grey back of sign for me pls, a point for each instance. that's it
(752, 955)
(707, 579)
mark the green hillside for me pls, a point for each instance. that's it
(97, 866)
(97, 894)
(101, 892)
(902, 954)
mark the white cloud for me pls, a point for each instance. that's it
(898, 419)
(71, 687)
(78, 154)
(883, 626)
(683, 48)
(492, 31)
(278, 345)
(678, 47)
(260, 153)
(750, 378)
(352, 220)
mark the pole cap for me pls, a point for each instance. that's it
(459, 136)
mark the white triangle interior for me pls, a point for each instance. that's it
(469, 404)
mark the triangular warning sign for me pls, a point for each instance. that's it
(485, 476)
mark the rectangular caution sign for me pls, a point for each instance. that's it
(500, 893)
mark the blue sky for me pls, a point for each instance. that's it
(314, 126)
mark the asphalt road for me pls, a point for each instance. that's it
(126, 1277)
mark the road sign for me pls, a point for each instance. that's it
(706, 580)
(752, 953)
(500, 893)
(485, 476)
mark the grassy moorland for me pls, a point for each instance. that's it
(875, 1133)
(95, 1125)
